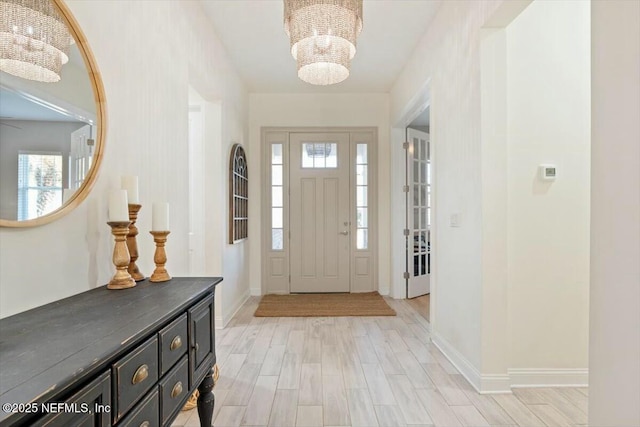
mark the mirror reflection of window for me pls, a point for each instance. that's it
(39, 184)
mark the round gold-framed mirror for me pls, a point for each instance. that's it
(52, 129)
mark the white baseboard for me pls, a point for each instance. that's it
(551, 377)
(256, 292)
(383, 291)
(483, 384)
(458, 360)
(223, 319)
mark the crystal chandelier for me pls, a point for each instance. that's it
(323, 35)
(34, 39)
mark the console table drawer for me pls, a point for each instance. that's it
(173, 343)
(134, 375)
(202, 339)
(88, 407)
(173, 388)
(146, 413)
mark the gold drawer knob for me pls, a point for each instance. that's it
(177, 390)
(140, 375)
(176, 343)
(145, 424)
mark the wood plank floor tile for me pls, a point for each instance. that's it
(517, 410)
(382, 371)
(389, 416)
(259, 406)
(379, 387)
(413, 411)
(273, 360)
(310, 384)
(309, 416)
(284, 409)
(550, 415)
(230, 416)
(469, 416)
(334, 401)
(290, 372)
(441, 413)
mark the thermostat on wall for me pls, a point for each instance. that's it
(548, 172)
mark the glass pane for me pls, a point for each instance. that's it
(423, 195)
(416, 195)
(416, 148)
(361, 196)
(362, 238)
(416, 243)
(428, 216)
(276, 175)
(362, 219)
(416, 265)
(423, 172)
(429, 173)
(277, 243)
(276, 197)
(276, 154)
(307, 160)
(319, 156)
(276, 218)
(416, 218)
(416, 171)
(423, 266)
(361, 175)
(423, 218)
(361, 154)
(331, 151)
(423, 149)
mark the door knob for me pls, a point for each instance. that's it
(344, 233)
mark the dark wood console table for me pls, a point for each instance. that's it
(104, 357)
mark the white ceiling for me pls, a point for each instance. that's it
(253, 34)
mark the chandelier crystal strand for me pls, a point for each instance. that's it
(322, 35)
(34, 39)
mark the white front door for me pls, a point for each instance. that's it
(319, 212)
(419, 213)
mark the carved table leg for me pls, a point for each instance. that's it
(206, 400)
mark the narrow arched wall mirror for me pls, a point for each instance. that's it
(52, 113)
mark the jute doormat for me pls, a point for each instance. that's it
(323, 305)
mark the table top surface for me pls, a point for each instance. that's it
(48, 349)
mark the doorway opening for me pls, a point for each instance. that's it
(320, 200)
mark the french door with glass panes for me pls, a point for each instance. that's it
(320, 237)
(419, 213)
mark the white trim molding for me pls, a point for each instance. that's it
(460, 362)
(256, 292)
(222, 319)
(550, 377)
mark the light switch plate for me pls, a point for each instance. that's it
(548, 172)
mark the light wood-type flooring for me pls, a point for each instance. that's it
(360, 371)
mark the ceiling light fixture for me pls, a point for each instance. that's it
(322, 34)
(34, 39)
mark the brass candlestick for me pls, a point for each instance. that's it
(132, 243)
(160, 257)
(122, 279)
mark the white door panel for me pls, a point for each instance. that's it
(419, 207)
(319, 212)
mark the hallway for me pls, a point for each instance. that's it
(369, 371)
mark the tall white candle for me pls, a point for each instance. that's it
(130, 183)
(118, 206)
(160, 217)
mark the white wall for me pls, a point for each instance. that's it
(486, 158)
(548, 121)
(448, 56)
(146, 72)
(320, 110)
(614, 341)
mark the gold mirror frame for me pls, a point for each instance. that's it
(101, 116)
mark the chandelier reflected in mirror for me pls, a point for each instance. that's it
(322, 35)
(34, 39)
